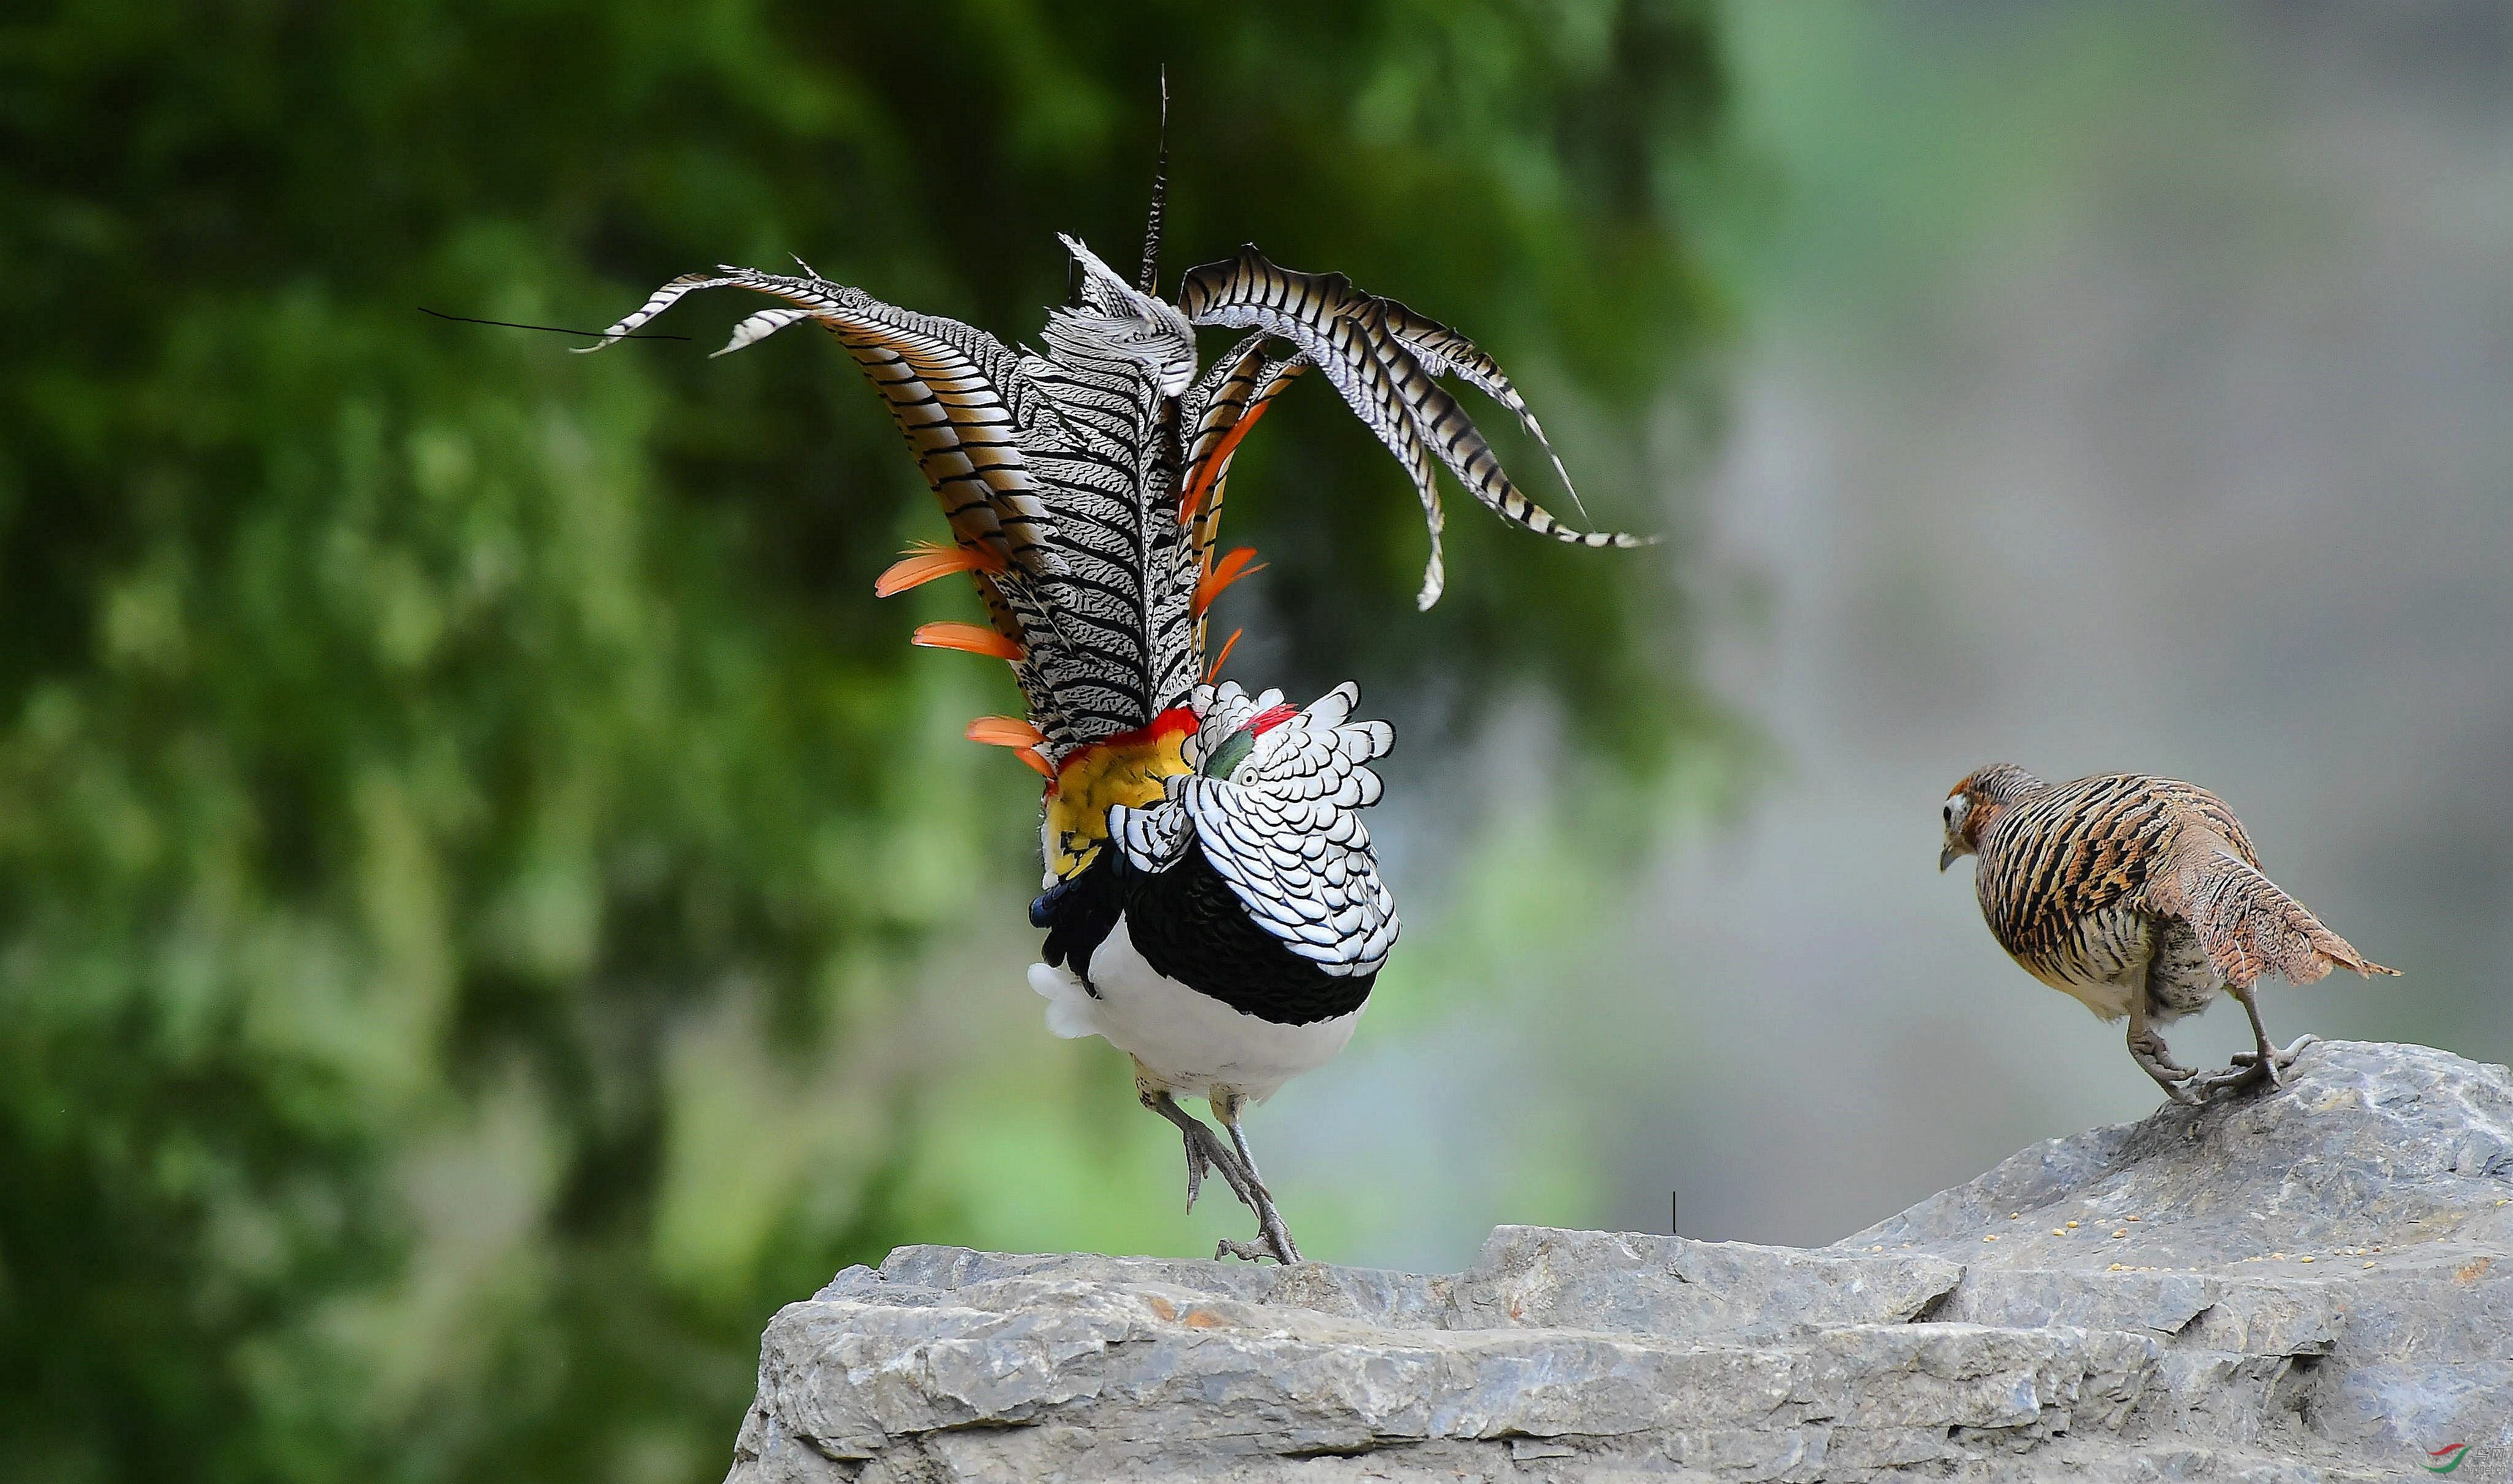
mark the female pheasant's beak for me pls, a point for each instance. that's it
(1958, 841)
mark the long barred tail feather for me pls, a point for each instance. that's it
(757, 328)
(1443, 351)
(977, 424)
(1385, 360)
(1084, 483)
(956, 393)
(1150, 278)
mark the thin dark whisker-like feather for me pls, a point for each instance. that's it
(1151, 277)
(505, 324)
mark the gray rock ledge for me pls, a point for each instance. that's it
(2303, 1287)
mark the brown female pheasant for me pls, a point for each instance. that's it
(2140, 897)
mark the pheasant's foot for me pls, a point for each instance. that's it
(2175, 1078)
(2252, 1068)
(1197, 1164)
(1273, 1240)
(2266, 1061)
(2247, 1072)
(1205, 1147)
(2279, 1060)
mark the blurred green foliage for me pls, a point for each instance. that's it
(454, 794)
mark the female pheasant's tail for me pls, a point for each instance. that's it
(2342, 953)
(2249, 926)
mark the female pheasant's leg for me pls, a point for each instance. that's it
(2264, 1062)
(1276, 1237)
(2148, 1050)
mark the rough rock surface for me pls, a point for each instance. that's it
(2312, 1285)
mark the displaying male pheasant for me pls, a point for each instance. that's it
(2140, 897)
(1211, 903)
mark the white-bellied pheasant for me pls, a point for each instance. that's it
(1211, 903)
(2140, 897)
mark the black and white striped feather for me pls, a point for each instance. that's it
(1385, 361)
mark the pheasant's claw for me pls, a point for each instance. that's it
(2171, 1075)
(1196, 1166)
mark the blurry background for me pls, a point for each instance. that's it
(490, 907)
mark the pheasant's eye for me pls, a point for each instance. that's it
(1954, 806)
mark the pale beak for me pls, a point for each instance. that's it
(1947, 857)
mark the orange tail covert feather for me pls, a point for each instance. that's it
(924, 562)
(1016, 734)
(971, 638)
(1005, 732)
(1227, 645)
(1230, 569)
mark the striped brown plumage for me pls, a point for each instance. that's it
(2143, 898)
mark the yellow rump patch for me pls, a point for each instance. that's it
(1126, 769)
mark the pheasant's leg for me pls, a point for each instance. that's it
(2279, 1060)
(1205, 1149)
(2263, 1062)
(1226, 1108)
(2148, 1050)
(1271, 1232)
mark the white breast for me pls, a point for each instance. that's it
(1191, 1041)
